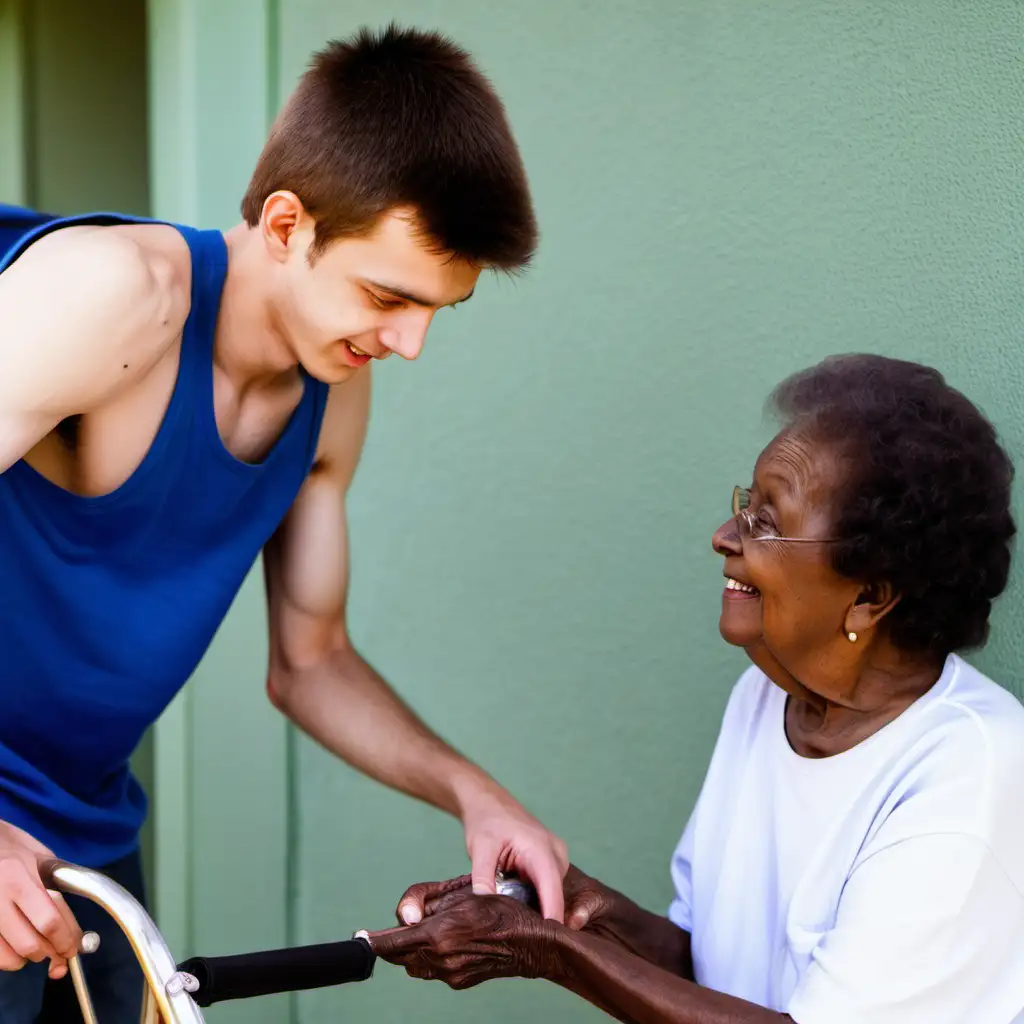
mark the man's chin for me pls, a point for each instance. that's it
(333, 375)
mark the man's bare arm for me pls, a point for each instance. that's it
(322, 683)
(316, 676)
(83, 314)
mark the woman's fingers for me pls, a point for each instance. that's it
(417, 903)
(393, 944)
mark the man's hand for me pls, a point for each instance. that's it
(33, 924)
(500, 836)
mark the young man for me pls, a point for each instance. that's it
(175, 401)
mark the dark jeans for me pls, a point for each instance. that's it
(112, 972)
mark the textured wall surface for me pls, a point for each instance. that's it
(728, 192)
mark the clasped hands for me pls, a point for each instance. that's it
(463, 939)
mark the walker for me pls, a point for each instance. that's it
(173, 992)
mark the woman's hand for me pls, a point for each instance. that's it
(466, 939)
(588, 903)
(586, 899)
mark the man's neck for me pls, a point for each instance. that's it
(249, 347)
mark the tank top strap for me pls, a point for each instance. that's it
(209, 269)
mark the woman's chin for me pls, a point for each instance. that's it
(740, 622)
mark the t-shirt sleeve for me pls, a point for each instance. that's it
(736, 723)
(928, 929)
(680, 911)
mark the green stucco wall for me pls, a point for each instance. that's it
(727, 192)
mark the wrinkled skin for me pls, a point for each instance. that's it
(470, 939)
(586, 899)
(465, 939)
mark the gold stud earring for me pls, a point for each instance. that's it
(852, 637)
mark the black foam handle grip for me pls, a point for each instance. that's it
(279, 970)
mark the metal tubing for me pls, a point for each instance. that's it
(150, 1011)
(150, 950)
(82, 990)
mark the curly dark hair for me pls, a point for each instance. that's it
(927, 504)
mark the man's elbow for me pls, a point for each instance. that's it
(277, 691)
(294, 665)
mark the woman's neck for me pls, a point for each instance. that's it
(827, 719)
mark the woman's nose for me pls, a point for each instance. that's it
(726, 539)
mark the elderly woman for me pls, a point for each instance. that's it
(856, 855)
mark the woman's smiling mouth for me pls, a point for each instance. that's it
(735, 589)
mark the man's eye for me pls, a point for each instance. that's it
(382, 303)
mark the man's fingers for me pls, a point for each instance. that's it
(71, 926)
(485, 855)
(9, 960)
(22, 937)
(49, 915)
(546, 877)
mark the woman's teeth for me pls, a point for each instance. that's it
(356, 350)
(732, 584)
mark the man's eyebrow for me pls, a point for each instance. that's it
(417, 300)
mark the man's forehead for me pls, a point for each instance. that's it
(402, 264)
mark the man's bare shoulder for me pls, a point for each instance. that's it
(108, 270)
(344, 427)
(86, 311)
(97, 305)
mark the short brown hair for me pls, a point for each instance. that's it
(401, 118)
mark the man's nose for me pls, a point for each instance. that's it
(405, 337)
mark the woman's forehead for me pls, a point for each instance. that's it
(798, 464)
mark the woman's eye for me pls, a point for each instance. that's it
(382, 303)
(764, 521)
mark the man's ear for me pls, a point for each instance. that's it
(283, 213)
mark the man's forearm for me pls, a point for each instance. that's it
(347, 707)
(635, 991)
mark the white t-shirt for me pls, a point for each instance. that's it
(883, 885)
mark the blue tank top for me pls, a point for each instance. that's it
(107, 604)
